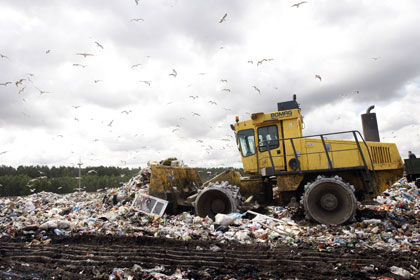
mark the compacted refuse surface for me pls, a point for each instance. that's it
(105, 236)
(113, 257)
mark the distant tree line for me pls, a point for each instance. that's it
(26, 180)
(63, 171)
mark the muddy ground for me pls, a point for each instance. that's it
(89, 256)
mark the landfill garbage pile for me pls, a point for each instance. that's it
(37, 217)
(393, 225)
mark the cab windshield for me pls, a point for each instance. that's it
(268, 138)
(247, 142)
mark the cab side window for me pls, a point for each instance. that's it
(268, 138)
(247, 142)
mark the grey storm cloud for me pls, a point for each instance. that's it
(337, 40)
(372, 81)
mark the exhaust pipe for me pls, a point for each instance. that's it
(370, 125)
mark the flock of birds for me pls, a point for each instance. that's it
(21, 83)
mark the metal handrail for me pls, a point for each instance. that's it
(355, 133)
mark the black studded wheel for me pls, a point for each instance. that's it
(217, 198)
(329, 200)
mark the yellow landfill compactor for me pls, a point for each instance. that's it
(328, 173)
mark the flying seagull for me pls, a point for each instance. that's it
(135, 65)
(21, 90)
(137, 2)
(176, 129)
(75, 107)
(174, 73)
(20, 82)
(262, 60)
(318, 77)
(3, 56)
(110, 123)
(257, 89)
(212, 102)
(3, 152)
(47, 51)
(226, 89)
(42, 91)
(80, 65)
(137, 19)
(5, 84)
(223, 18)
(99, 45)
(298, 4)
(196, 114)
(193, 97)
(85, 54)
(126, 112)
(97, 81)
(147, 82)
(30, 75)
(223, 81)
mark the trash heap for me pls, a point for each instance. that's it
(40, 216)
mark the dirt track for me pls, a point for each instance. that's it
(85, 257)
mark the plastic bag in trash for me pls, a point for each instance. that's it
(400, 271)
(223, 219)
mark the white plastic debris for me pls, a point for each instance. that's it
(372, 221)
(400, 271)
(215, 248)
(116, 212)
(223, 219)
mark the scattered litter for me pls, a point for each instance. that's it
(393, 223)
(223, 219)
(401, 272)
(149, 205)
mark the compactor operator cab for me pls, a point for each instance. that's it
(329, 176)
(261, 142)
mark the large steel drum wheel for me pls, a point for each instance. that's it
(216, 199)
(329, 200)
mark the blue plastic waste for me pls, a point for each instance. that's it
(236, 215)
(340, 241)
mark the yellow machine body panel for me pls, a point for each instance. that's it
(259, 137)
(248, 185)
(280, 161)
(230, 176)
(289, 182)
(272, 143)
(166, 179)
(345, 153)
(253, 187)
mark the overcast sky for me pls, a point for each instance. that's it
(153, 86)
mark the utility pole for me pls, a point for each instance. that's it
(80, 172)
